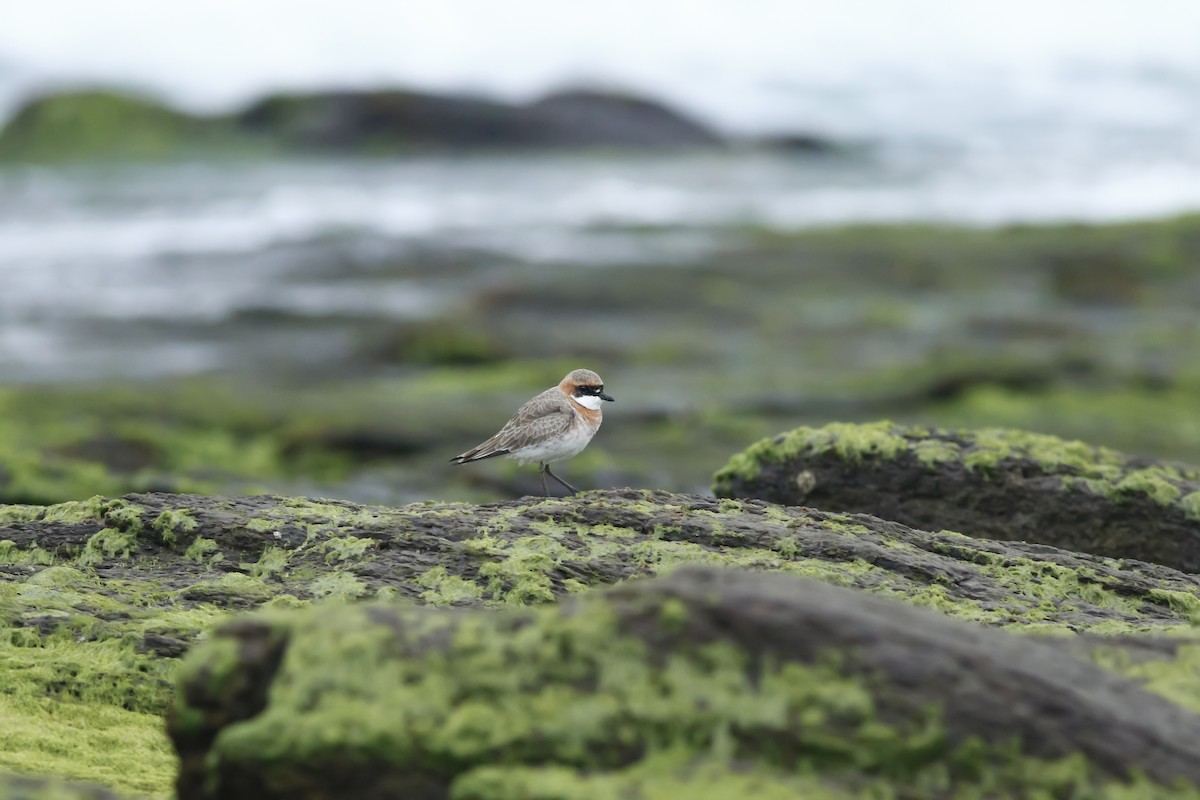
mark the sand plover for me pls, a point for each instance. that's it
(555, 425)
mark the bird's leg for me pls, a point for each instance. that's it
(567, 486)
(542, 474)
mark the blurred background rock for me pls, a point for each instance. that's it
(316, 248)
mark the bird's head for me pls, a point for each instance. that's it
(586, 388)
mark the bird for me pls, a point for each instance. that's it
(555, 425)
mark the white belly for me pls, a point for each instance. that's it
(556, 449)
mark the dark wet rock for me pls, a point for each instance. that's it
(403, 120)
(45, 624)
(361, 444)
(798, 143)
(602, 118)
(118, 453)
(160, 645)
(752, 673)
(999, 484)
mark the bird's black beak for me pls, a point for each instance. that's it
(604, 396)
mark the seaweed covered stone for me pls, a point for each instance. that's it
(994, 483)
(101, 599)
(785, 681)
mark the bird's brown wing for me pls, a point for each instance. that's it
(545, 416)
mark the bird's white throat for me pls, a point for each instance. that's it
(590, 401)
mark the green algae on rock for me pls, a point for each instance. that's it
(102, 596)
(240, 552)
(996, 483)
(765, 675)
(106, 125)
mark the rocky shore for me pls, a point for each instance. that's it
(1088, 333)
(925, 608)
(623, 641)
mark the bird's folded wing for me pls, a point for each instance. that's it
(548, 426)
(546, 416)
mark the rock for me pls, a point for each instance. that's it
(391, 121)
(383, 121)
(240, 552)
(607, 119)
(738, 671)
(101, 597)
(800, 143)
(25, 787)
(116, 125)
(994, 483)
(104, 124)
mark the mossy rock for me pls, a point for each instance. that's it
(240, 552)
(995, 483)
(103, 124)
(783, 680)
(101, 597)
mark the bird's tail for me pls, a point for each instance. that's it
(478, 454)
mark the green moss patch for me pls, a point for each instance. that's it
(58, 444)
(85, 690)
(979, 450)
(850, 442)
(105, 125)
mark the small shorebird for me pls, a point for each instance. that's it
(555, 425)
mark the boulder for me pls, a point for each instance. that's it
(102, 598)
(788, 681)
(393, 120)
(994, 483)
(238, 552)
(106, 124)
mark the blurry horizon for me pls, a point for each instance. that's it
(927, 67)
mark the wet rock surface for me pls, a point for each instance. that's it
(999, 484)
